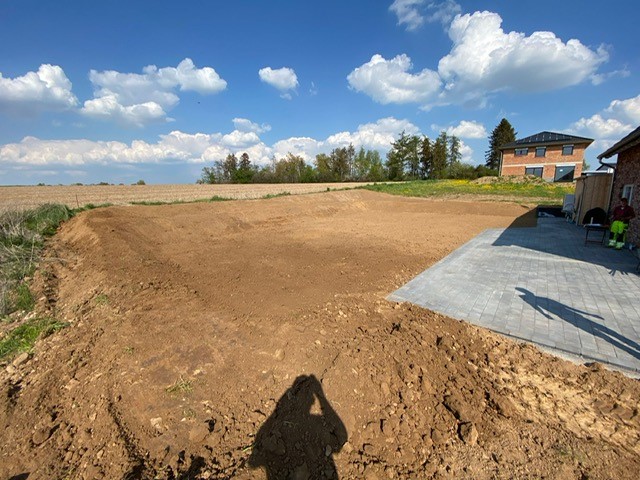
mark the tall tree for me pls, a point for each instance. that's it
(454, 154)
(440, 155)
(403, 157)
(245, 171)
(426, 158)
(413, 157)
(323, 168)
(501, 135)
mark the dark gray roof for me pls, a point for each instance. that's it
(547, 138)
(627, 142)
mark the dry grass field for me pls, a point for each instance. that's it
(76, 196)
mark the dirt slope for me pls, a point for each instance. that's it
(251, 339)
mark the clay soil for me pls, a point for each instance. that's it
(252, 339)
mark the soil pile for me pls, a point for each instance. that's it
(251, 339)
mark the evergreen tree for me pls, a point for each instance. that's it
(501, 135)
(454, 154)
(426, 158)
(440, 156)
(245, 172)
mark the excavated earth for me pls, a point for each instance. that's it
(252, 339)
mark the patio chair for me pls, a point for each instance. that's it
(595, 220)
(568, 206)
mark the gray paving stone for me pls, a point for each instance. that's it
(540, 284)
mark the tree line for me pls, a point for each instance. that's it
(410, 157)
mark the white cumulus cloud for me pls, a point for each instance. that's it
(626, 110)
(610, 124)
(465, 129)
(245, 125)
(374, 136)
(284, 79)
(483, 60)
(389, 81)
(48, 89)
(139, 99)
(182, 147)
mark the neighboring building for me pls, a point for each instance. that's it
(626, 181)
(556, 157)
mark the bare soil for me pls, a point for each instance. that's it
(252, 339)
(76, 196)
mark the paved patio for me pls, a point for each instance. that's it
(542, 285)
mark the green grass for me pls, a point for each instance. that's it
(276, 195)
(22, 236)
(533, 191)
(215, 198)
(23, 338)
(182, 386)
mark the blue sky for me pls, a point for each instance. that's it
(120, 91)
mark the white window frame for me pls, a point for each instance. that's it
(627, 192)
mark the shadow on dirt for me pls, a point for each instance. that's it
(300, 437)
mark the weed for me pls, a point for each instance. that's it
(101, 299)
(215, 198)
(23, 298)
(189, 413)
(23, 337)
(128, 350)
(22, 235)
(181, 386)
(276, 195)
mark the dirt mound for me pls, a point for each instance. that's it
(510, 179)
(251, 339)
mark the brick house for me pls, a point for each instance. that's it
(556, 157)
(626, 180)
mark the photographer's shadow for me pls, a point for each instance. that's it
(300, 437)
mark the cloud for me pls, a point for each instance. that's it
(181, 147)
(415, 13)
(600, 127)
(48, 89)
(407, 13)
(109, 108)
(465, 129)
(389, 81)
(627, 110)
(374, 136)
(610, 124)
(483, 60)
(284, 79)
(139, 99)
(238, 140)
(305, 147)
(245, 125)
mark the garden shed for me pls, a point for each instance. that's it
(593, 190)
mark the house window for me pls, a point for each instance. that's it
(567, 150)
(521, 151)
(541, 151)
(535, 171)
(627, 192)
(564, 174)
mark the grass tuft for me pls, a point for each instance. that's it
(23, 338)
(181, 386)
(22, 235)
